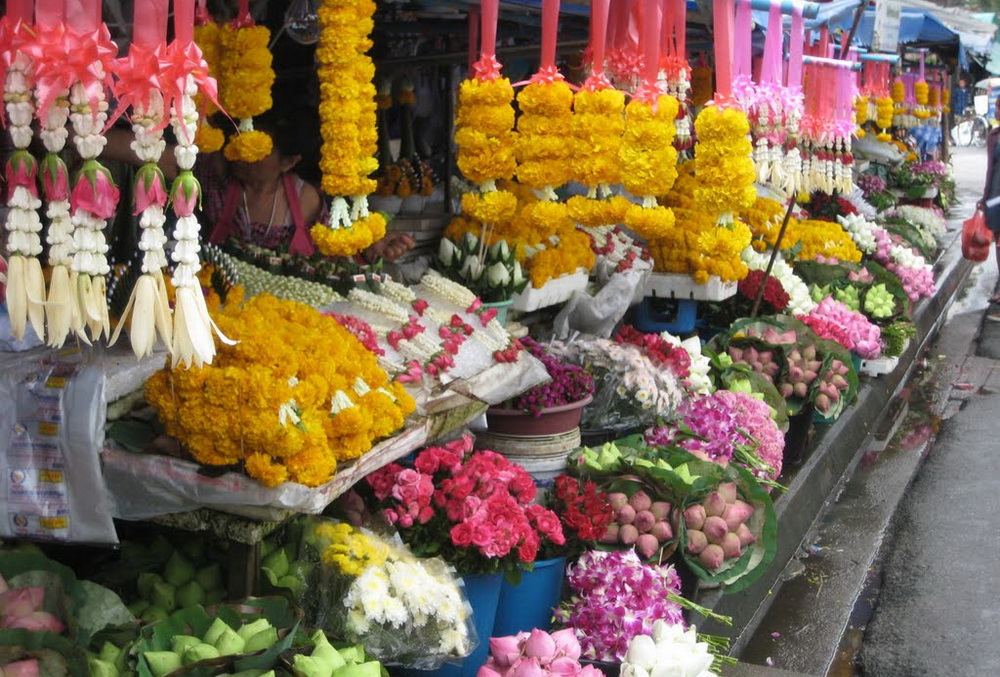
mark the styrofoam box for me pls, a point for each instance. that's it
(552, 292)
(682, 286)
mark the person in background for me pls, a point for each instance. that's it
(991, 189)
(960, 99)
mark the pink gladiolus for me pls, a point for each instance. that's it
(540, 645)
(94, 192)
(185, 194)
(505, 650)
(22, 601)
(28, 668)
(55, 178)
(526, 667)
(36, 621)
(150, 188)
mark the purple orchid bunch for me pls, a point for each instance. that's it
(871, 183)
(570, 383)
(758, 428)
(709, 428)
(616, 597)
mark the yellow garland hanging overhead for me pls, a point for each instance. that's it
(723, 162)
(207, 35)
(348, 128)
(245, 79)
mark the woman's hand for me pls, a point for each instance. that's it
(390, 248)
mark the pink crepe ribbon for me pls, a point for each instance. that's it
(547, 71)
(673, 34)
(598, 80)
(487, 68)
(623, 57)
(649, 90)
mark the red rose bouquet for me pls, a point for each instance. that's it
(585, 512)
(473, 508)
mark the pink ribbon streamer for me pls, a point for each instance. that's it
(488, 68)
(796, 39)
(63, 57)
(742, 40)
(770, 63)
(547, 71)
(598, 37)
(722, 22)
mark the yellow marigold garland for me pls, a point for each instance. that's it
(207, 36)
(884, 107)
(484, 131)
(598, 124)
(348, 128)
(724, 162)
(544, 144)
(297, 394)
(245, 79)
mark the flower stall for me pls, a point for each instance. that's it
(565, 358)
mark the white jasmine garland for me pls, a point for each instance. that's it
(380, 305)
(447, 290)
(59, 306)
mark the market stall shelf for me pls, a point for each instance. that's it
(551, 293)
(678, 286)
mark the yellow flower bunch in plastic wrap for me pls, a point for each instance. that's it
(207, 36)
(544, 143)
(245, 79)
(350, 550)
(348, 129)
(296, 395)
(724, 166)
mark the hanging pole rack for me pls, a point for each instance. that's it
(890, 58)
(834, 63)
(810, 10)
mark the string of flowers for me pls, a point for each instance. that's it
(55, 182)
(25, 293)
(649, 161)
(724, 166)
(348, 127)
(245, 79)
(208, 37)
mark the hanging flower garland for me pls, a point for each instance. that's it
(348, 127)
(723, 163)
(25, 284)
(208, 37)
(55, 182)
(245, 79)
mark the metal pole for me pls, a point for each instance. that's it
(774, 255)
(846, 44)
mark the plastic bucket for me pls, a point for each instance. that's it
(529, 604)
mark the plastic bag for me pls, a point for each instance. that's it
(976, 238)
(598, 315)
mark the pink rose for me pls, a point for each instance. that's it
(94, 192)
(461, 535)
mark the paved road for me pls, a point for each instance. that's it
(937, 613)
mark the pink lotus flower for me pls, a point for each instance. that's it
(566, 643)
(150, 188)
(37, 621)
(21, 171)
(95, 191)
(488, 671)
(28, 668)
(185, 194)
(540, 645)
(22, 601)
(505, 650)
(55, 178)
(526, 667)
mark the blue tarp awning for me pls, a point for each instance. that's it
(915, 26)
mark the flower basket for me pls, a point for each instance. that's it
(550, 421)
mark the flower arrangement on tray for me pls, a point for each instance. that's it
(492, 272)
(371, 591)
(472, 508)
(629, 388)
(570, 383)
(293, 417)
(538, 652)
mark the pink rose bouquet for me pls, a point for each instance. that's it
(473, 508)
(537, 654)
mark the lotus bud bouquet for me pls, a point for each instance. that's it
(473, 508)
(670, 651)
(492, 272)
(537, 653)
(402, 608)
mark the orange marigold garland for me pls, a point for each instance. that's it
(245, 79)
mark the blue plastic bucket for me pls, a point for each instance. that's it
(529, 604)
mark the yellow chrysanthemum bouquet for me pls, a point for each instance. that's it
(269, 404)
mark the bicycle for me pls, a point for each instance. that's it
(971, 129)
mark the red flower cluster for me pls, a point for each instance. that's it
(361, 330)
(826, 329)
(584, 509)
(775, 295)
(658, 350)
(825, 207)
(474, 508)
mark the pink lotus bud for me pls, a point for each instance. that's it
(628, 534)
(800, 389)
(569, 667)
(712, 557)
(786, 390)
(55, 178)
(728, 491)
(21, 172)
(28, 668)
(185, 194)
(834, 395)
(663, 531)
(772, 369)
(813, 365)
(736, 353)
(22, 601)
(644, 521)
(526, 667)
(766, 355)
(610, 535)
(640, 501)
(737, 513)
(809, 352)
(746, 536)
(750, 354)
(715, 529)
(589, 670)
(626, 514)
(660, 510)
(95, 191)
(770, 335)
(646, 545)
(694, 517)
(36, 621)
(567, 643)
(822, 403)
(757, 367)
(714, 504)
(795, 374)
(540, 645)
(696, 541)
(794, 355)
(808, 376)
(488, 670)
(839, 381)
(505, 650)
(617, 499)
(731, 546)
(150, 188)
